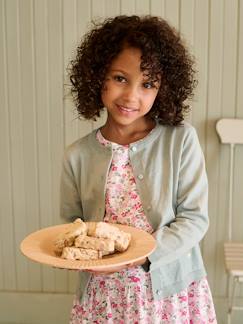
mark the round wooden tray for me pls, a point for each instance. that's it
(39, 247)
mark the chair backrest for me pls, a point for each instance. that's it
(230, 130)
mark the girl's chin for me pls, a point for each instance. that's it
(124, 121)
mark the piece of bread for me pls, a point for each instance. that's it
(74, 253)
(122, 241)
(105, 230)
(90, 241)
(100, 244)
(91, 228)
(78, 227)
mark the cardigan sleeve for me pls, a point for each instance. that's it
(70, 202)
(191, 219)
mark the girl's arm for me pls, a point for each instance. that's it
(191, 221)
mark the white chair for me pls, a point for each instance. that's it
(230, 132)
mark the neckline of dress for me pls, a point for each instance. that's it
(106, 142)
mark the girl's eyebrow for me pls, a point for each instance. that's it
(119, 70)
(146, 79)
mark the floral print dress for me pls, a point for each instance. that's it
(126, 297)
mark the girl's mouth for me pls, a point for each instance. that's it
(126, 109)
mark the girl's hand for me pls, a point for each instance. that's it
(114, 269)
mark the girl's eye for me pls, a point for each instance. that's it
(119, 78)
(148, 85)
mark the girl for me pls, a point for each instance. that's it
(144, 167)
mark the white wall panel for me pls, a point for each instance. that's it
(228, 109)
(128, 7)
(172, 12)
(213, 263)
(28, 100)
(16, 137)
(157, 7)
(200, 45)
(142, 7)
(38, 39)
(7, 240)
(112, 8)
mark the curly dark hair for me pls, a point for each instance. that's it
(164, 56)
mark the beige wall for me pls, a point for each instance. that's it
(37, 121)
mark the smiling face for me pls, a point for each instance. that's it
(128, 94)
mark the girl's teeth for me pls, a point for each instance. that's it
(126, 109)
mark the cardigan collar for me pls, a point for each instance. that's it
(154, 133)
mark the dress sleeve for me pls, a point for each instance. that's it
(70, 202)
(191, 220)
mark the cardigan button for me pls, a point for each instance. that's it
(148, 208)
(133, 148)
(158, 292)
(140, 177)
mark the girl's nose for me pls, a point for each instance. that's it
(131, 93)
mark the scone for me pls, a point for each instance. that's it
(100, 244)
(105, 230)
(74, 253)
(78, 227)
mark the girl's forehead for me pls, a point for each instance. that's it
(128, 61)
(128, 54)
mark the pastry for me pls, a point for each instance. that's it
(78, 227)
(100, 244)
(74, 253)
(105, 230)
(90, 241)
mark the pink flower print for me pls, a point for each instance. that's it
(138, 205)
(114, 168)
(133, 195)
(142, 303)
(102, 310)
(102, 284)
(183, 298)
(183, 313)
(109, 315)
(132, 180)
(79, 309)
(134, 279)
(137, 289)
(192, 304)
(164, 317)
(118, 188)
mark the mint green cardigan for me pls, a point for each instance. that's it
(170, 174)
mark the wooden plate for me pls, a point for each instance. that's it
(39, 247)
